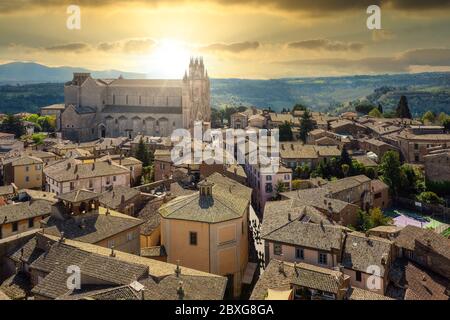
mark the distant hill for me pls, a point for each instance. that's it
(30, 72)
(425, 91)
(29, 86)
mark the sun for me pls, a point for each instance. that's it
(169, 59)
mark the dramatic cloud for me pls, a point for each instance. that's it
(428, 57)
(401, 63)
(69, 47)
(325, 44)
(232, 47)
(316, 7)
(125, 46)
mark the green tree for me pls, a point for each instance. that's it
(380, 108)
(38, 138)
(285, 132)
(446, 125)
(296, 184)
(429, 117)
(345, 169)
(306, 125)
(390, 168)
(12, 124)
(374, 218)
(370, 172)
(345, 157)
(402, 110)
(430, 198)
(299, 107)
(364, 107)
(279, 188)
(302, 171)
(143, 153)
(375, 113)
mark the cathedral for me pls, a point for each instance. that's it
(96, 108)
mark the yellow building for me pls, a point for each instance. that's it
(25, 172)
(208, 230)
(23, 216)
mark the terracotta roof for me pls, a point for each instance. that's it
(409, 235)
(72, 169)
(91, 227)
(361, 294)
(78, 195)
(229, 200)
(282, 275)
(24, 210)
(410, 281)
(113, 198)
(360, 252)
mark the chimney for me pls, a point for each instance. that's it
(281, 267)
(180, 291)
(178, 269)
(61, 239)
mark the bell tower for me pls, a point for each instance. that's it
(196, 94)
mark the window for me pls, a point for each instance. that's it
(114, 178)
(38, 167)
(30, 223)
(126, 100)
(416, 158)
(91, 184)
(140, 101)
(27, 168)
(108, 180)
(114, 99)
(416, 146)
(72, 185)
(322, 258)
(27, 178)
(299, 253)
(286, 177)
(358, 276)
(269, 187)
(377, 195)
(269, 178)
(15, 226)
(277, 249)
(193, 238)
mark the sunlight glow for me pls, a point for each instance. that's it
(170, 59)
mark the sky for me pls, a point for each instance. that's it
(237, 39)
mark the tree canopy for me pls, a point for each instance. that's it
(375, 113)
(13, 124)
(402, 110)
(306, 125)
(285, 132)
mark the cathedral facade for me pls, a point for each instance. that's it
(96, 108)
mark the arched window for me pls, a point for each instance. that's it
(114, 99)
